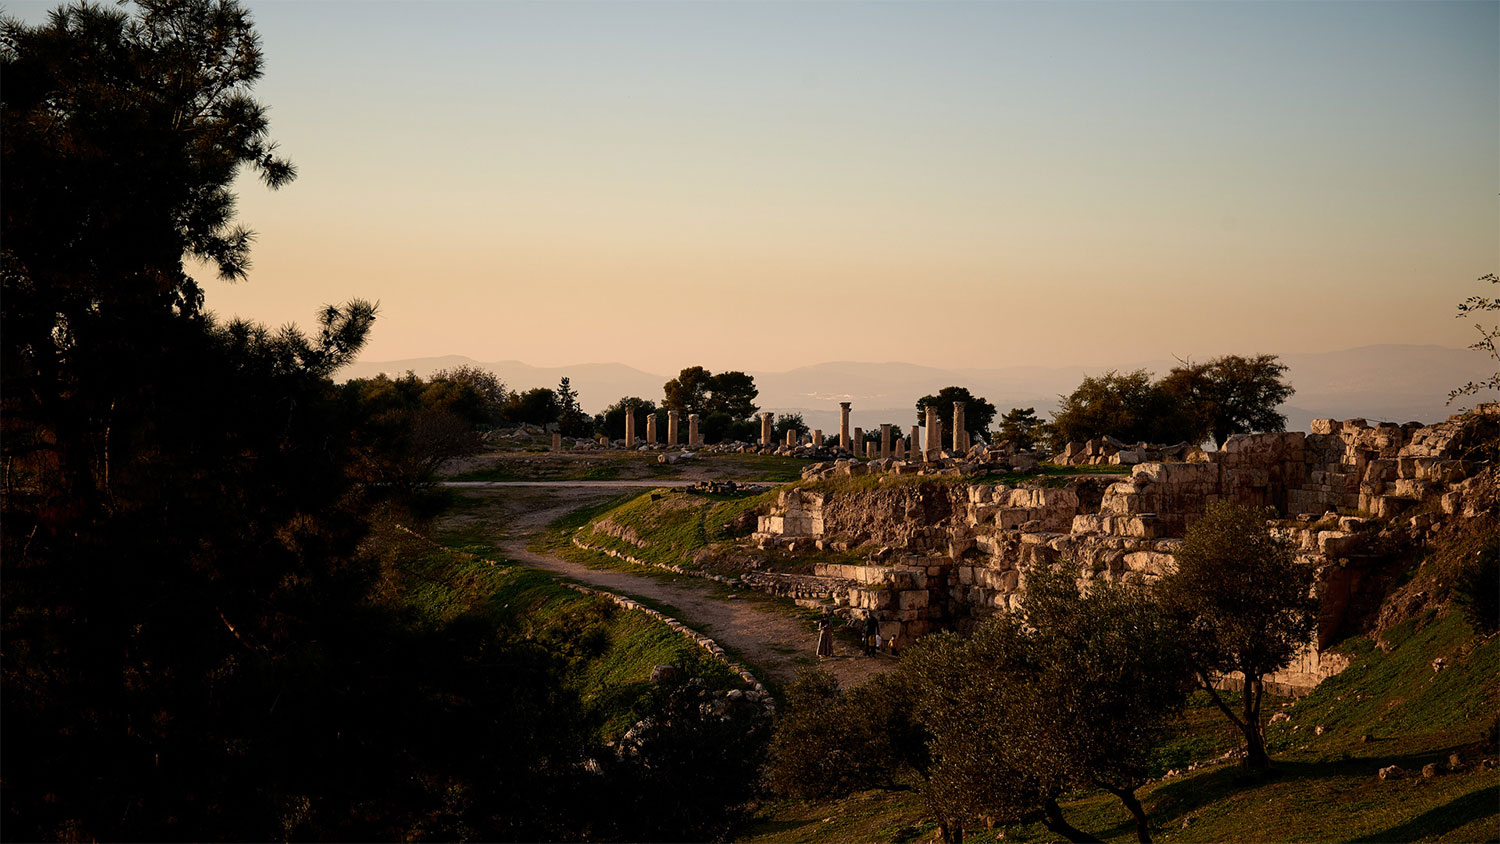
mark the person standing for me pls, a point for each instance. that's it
(825, 635)
(872, 630)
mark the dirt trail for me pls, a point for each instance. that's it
(773, 643)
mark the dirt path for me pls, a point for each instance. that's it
(773, 642)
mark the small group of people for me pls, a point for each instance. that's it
(871, 639)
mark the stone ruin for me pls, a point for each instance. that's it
(947, 554)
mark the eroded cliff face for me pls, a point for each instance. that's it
(945, 552)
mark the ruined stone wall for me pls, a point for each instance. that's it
(951, 553)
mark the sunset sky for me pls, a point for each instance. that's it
(766, 185)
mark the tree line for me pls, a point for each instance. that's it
(198, 643)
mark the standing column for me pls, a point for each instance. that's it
(672, 428)
(557, 443)
(960, 433)
(916, 442)
(934, 435)
(651, 428)
(817, 438)
(857, 447)
(765, 430)
(871, 450)
(693, 429)
(791, 438)
(898, 450)
(844, 425)
(630, 426)
(885, 440)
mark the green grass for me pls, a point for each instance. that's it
(670, 524)
(612, 650)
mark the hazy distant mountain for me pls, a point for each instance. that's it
(1385, 382)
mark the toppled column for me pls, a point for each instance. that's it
(916, 442)
(817, 438)
(557, 443)
(694, 438)
(844, 425)
(934, 435)
(630, 426)
(672, 428)
(651, 428)
(885, 440)
(960, 433)
(791, 438)
(765, 430)
(604, 440)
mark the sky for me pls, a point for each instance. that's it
(763, 185)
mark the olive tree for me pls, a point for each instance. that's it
(1070, 692)
(1243, 604)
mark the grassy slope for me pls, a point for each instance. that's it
(1325, 788)
(614, 649)
(673, 526)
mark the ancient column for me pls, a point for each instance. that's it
(791, 438)
(693, 429)
(604, 440)
(630, 426)
(871, 451)
(765, 429)
(817, 438)
(672, 428)
(651, 428)
(857, 445)
(916, 442)
(844, 425)
(885, 440)
(934, 435)
(960, 433)
(557, 443)
(898, 451)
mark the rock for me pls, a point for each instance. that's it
(1455, 761)
(1430, 771)
(1439, 664)
(1320, 729)
(1280, 717)
(1189, 821)
(1391, 772)
(664, 674)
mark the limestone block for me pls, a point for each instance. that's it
(1149, 562)
(1092, 524)
(1410, 488)
(1337, 543)
(1009, 518)
(911, 599)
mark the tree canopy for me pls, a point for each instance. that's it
(978, 413)
(1244, 604)
(1477, 306)
(724, 402)
(1021, 426)
(1227, 395)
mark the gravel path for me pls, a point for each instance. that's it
(772, 642)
